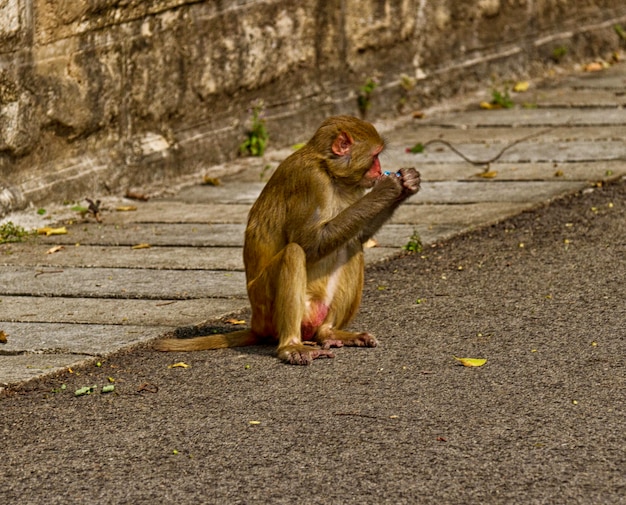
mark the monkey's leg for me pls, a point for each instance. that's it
(282, 286)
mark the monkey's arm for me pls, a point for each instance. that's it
(319, 239)
(410, 180)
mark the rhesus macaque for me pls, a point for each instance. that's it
(303, 250)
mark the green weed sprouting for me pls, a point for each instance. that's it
(10, 232)
(414, 245)
(502, 99)
(364, 98)
(257, 140)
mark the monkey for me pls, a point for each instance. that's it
(303, 244)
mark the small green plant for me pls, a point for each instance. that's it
(407, 84)
(10, 232)
(558, 53)
(414, 245)
(364, 98)
(621, 32)
(256, 143)
(501, 98)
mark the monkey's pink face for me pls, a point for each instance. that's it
(375, 171)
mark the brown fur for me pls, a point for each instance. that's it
(303, 250)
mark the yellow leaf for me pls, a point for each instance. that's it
(471, 361)
(54, 249)
(211, 181)
(521, 86)
(595, 66)
(370, 243)
(235, 321)
(47, 231)
(3, 337)
(254, 422)
(141, 246)
(487, 175)
(180, 364)
(489, 106)
(126, 208)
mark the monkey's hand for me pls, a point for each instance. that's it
(389, 188)
(410, 179)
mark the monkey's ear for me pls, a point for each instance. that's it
(342, 144)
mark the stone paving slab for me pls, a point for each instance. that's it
(160, 212)
(493, 190)
(68, 338)
(605, 80)
(514, 118)
(421, 131)
(560, 152)
(172, 258)
(121, 283)
(603, 96)
(456, 215)
(161, 234)
(237, 192)
(22, 367)
(114, 311)
(551, 171)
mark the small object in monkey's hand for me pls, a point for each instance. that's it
(387, 172)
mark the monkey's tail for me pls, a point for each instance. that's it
(239, 338)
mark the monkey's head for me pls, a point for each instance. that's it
(351, 148)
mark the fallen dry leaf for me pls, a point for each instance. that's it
(490, 174)
(133, 195)
(254, 422)
(211, 181)
(490, 106)
(521, 86)
(471, 361)
(370, 243)
(54, 249)
(126, 208)
(180, 364)
(595, 66)
(418, 114)
(3, 337)
(235, 321)
(47, 231)
(142, 246)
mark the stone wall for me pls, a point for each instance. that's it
(100, 96)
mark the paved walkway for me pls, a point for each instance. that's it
(99, 294)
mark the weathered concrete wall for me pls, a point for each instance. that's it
(103, 95)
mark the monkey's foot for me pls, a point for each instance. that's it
(331, 342)
(346, 338)
(302, 355)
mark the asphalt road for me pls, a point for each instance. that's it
(542, 297)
